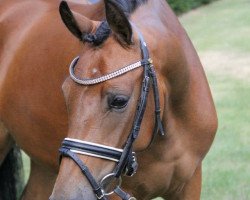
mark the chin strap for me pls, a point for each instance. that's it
(123, 195)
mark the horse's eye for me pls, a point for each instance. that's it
(118, 101)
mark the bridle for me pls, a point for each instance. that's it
(125, 158)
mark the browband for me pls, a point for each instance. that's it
(88, 81)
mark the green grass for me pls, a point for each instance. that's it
(225, 173)
(221, 35)
(221, 25)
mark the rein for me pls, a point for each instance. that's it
(125, 158)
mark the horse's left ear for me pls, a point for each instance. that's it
(118, 21)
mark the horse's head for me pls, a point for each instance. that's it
(105, 104)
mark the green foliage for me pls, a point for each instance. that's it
(181, 6)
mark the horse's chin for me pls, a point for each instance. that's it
(71, 194)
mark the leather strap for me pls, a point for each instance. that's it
(149, 74)
(96, 188)
(96, 151)
(122, 194)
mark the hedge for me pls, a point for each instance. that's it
(181, 6)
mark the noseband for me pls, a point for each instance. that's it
(125, 158)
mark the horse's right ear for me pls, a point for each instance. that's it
(77, 24)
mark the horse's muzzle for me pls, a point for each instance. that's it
(85, 196)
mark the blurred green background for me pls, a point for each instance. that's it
(220, 32)
(181, 6)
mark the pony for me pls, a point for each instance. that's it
(36, 114)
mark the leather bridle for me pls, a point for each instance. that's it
(125, 158)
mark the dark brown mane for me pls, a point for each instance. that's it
(128, 6)
(103, 31)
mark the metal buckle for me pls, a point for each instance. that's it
(100, 197)
(108, 180)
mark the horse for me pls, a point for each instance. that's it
(111, 116)
(32, 110)
(155, 116)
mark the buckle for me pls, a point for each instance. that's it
(100, 197)
(109, 183)
(150, 61)
(131, 167)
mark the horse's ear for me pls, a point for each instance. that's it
(118, 21)
(77, 24)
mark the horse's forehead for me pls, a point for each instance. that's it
(98, 61)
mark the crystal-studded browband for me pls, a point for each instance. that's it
(106, 77)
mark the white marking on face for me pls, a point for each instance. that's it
(94, 70)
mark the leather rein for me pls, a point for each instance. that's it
(125, 158)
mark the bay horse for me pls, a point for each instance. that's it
(103, 100)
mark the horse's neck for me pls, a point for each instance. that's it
(188, 102)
